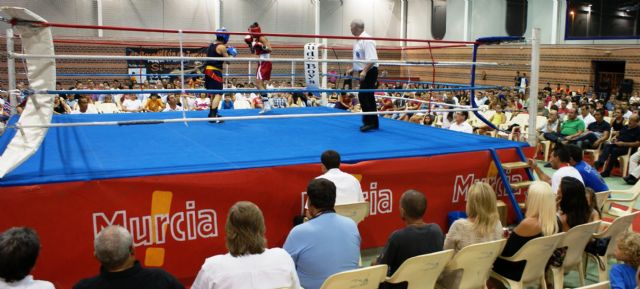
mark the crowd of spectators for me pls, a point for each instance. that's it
(312, 253)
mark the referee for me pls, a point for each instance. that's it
(368, 73)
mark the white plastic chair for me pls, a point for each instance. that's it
(575, 240)
(355, 211)
(475, 261)
(365, 278)
(612, 232)
(601, 198)
(421, 271)
(630, 202)
(601, 285)
(536, 253)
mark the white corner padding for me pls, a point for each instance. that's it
(41, 74)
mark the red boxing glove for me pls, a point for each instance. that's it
(249, 41)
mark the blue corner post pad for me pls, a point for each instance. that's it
(499, 39)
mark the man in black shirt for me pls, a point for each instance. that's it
(417, 238)
(628, 137)
(597, 132)
(120, 269)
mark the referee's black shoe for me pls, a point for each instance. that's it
(368, 127)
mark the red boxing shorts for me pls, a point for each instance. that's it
(264, 70)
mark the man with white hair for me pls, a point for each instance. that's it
(365, 49)
(113, 247)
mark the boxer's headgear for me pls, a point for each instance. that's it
(255, 30)
(223, 37)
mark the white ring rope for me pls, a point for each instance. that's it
(232, 118)
(241, 59)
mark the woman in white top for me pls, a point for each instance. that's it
(482, 225)
(203, 102)
(248, 264)
(132, 104)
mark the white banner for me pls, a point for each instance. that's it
(311, 69)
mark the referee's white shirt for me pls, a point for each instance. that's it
(348, 188)
(364, 49)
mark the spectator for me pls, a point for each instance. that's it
(560, 159)
(19, 250)
(573, 204)
(590, 175)
(60, 106)
(113, 247)
(348, 188)
(345, 101)
(131, 103)
(84, 107)
(624, 276)
(540, 220)
(227, 103)
(597, 132)
(326, 244)
(569, 129)
(297, 100)
(202, 102)
(496, 119)
(72, 101)
(248, 264)
(416, 238)
(618, 121)
(585, 115)
(550, 126)
(483, 222)
(460, 123)
(482, 225)
(154, 104)
(627, 138)
(172, 104)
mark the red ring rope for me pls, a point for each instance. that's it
(137, 29)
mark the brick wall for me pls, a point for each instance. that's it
(109, 66)
(558, 64)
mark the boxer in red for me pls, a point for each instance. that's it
(259, 45)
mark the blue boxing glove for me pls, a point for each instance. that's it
(232, 51)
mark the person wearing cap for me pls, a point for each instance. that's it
(365, 49)
(213, 68)
(259, 45)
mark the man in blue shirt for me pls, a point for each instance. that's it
(590, 176)
(326, 244)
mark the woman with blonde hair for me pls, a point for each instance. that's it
(248, 264)
(481, 225)
(540, 220)
(483, 222)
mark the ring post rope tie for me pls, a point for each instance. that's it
(184, 115)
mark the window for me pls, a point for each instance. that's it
(604, 19)
(438, 19)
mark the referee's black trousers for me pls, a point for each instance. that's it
(367, 100)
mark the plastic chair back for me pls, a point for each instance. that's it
(365, 278)
(355, 211)
(476, 262)
(422, 271)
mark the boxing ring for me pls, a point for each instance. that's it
(170, 177)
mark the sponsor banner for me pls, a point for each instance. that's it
(136, 67)
(311, 68)
(178, 220)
